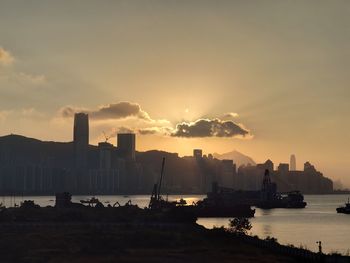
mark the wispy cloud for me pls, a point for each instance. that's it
(25, 113)
(6, 57)
(13, 75)
(4, 114)
(30, 78)
(230, 115)
(165, 131)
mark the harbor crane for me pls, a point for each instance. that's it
(107, 137)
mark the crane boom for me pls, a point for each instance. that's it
(161, 178)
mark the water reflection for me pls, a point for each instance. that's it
(267, 230)
(266, 212)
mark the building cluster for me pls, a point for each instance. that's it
(286, 177)
(29, 166)
(250, 177)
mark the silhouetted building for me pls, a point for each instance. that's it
(293, 163)
(81, 139)
(197, 153)
(283, 168)
(268, 165)
(105, 155)
(126, 145)
(228, 171)
(308, 167)
(108, 176)
(30, 166)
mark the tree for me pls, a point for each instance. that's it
(240, 225)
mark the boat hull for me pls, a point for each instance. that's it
(278, 204)
(343, 210)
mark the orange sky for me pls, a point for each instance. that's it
(280, 66)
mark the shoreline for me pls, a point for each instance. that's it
(143, 194)
(175, 242)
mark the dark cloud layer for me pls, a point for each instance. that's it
(209, 128)
(148, 131)
(111, 111)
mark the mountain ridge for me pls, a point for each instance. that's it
(237, 157)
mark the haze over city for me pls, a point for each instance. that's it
(268, 80)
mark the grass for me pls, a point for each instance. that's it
(129, 244)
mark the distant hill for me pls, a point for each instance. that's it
(237, 157)
(19, 149)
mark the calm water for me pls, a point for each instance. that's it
(300, 227)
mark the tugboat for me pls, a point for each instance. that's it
(293, 200)
(344, 209)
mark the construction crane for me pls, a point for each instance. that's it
(106, 136)
(156, 198)
(161, 177)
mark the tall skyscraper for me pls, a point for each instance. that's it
(81, 139)
(293, 163)
(126, 145)
(197, 153)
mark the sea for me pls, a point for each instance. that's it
(319, 221)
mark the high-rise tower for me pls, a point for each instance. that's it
(81, 139)
(293, 163)
(126, 145)
(197, 153)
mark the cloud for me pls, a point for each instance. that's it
(4, 114)
(209, 128)
(230, 115)
(31, 113)
(123, 130)
(155, 130)
(11, 75)
(148, 131)
(130, 117)
(69, 111)
(22, 114)
(113, 111)
(22, 79)
(5, 57)
(33, 79)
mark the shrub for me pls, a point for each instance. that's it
(240, 225)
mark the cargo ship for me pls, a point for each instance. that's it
(266, 198)
(214, 205)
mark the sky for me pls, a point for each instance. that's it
(266, 78)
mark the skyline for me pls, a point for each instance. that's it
(273, 75)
